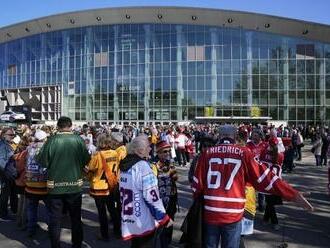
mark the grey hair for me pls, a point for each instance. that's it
(137, 144)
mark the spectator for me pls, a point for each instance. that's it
(64, 155)
(223, 188)
(316, 149)
(103, 169)
(257, 145)
(273, 159)
(139, 187)
(325, 146)
(7, 180)
(20, 157)
(181, 140)
(165, 171)
(36, 183)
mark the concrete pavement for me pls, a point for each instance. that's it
(298, 227)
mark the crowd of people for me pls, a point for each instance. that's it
(132, 174)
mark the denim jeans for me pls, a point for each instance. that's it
(32, 204)
(229, 234)
(56, 203)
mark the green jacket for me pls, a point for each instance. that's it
(64, 155)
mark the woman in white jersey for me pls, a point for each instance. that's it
(142, 209)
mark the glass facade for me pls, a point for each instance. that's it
(173, 72)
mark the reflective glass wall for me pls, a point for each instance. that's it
(160, 72)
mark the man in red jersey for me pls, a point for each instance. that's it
(257, 145)
(220, 177)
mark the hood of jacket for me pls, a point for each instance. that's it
(129, 161)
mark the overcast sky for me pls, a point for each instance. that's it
(14, 11)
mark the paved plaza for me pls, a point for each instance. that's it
(298, 227)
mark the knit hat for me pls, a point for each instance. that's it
(161, 145)
(40, 135)
(227, 131)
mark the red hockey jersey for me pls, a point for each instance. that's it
(256, 149)
(221, 175)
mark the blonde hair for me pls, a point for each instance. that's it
(103, 141)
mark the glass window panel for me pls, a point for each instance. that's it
(208, 52)
(310, 66)
(264, 82)
(255, 82)
(310, 83)
(200, 68)
(327, 82)
(273, 98)
(208, 67)
(208, 83)
(166, 69)
(226, 52)
(292, 113)
(191, 53)
(263, 98)
(166, 83)
(301, 82)
(191, 68)
(255, 66)
(200, 53)
(273, 82)
(301, 66)
(327, 66)
(292, 82)
(166, 55)
(300, 97)
(226, 67)
(227, 82)
(273, 69)
(301, 114)
(236, 66)
(236, 52)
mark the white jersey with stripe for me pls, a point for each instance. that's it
(142, 208)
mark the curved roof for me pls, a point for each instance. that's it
(169, 15)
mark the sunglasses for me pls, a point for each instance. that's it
(166, 151)
(10, 134)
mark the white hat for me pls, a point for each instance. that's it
(40, 135)
(17, 139)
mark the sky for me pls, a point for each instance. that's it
(15, 11)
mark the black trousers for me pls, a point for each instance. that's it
(111, 203)
(8, 191)
(270, 211)
(181, 156)
(73, 203)
(143, 242)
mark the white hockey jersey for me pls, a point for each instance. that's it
(142, 208)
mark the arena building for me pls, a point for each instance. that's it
(167, 64)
